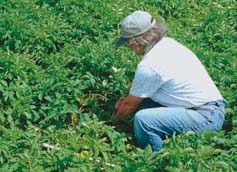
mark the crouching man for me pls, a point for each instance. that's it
(177, 93)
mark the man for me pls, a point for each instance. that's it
(176, 90)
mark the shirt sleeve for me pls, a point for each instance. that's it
(146, 82)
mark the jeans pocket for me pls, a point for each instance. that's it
(207, 114)
(200, 120)
(215, 119)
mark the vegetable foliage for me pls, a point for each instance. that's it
(60, 76)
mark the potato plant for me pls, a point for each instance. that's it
(60, 76)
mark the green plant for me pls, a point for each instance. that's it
(60, 76)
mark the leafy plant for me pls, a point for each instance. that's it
(60, 76)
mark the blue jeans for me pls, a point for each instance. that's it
(153, 124)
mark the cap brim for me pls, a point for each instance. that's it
(121, 41)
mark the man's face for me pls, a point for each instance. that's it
(136, 48)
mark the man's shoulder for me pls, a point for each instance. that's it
(161, 49)
(143, 68)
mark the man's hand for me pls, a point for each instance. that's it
(125, 107)
(118, 103)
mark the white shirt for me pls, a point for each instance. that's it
(172, 75)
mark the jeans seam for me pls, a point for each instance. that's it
(147, 128)
(182, 126)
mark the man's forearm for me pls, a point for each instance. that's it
(127, 107)
(124, 110)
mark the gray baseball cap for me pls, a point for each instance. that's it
(135, 24)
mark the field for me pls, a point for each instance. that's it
(60, 76)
